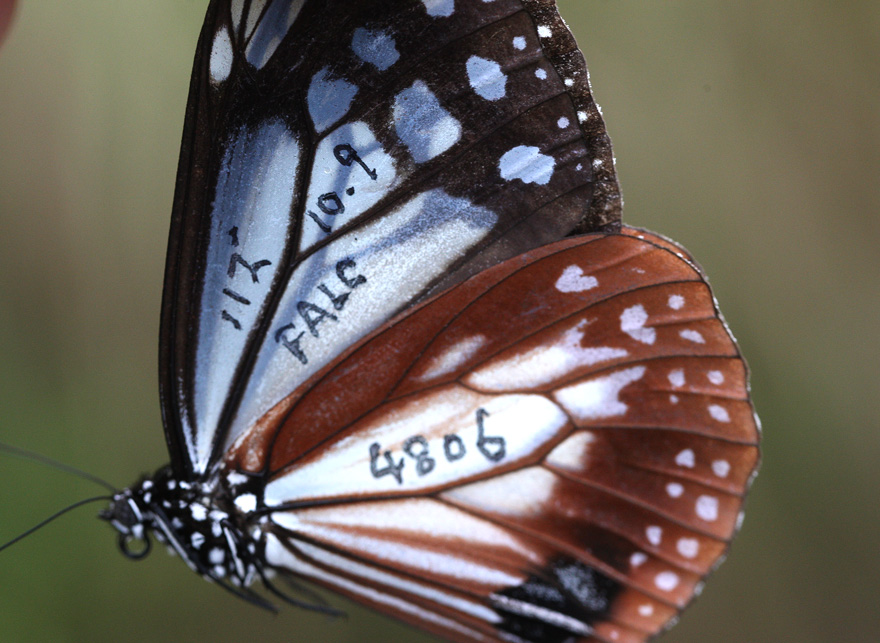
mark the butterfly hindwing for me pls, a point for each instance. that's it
(558, 446)
(342, 160)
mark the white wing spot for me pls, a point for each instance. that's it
(543, 364)
(654, 534)
(721, 468)
(197, 539)
(666, 581)
(676, 377)
(583, 117)
(527, 164)
(675, 302)
(599, 397)
(632, 322)
(573, 279)
(329, 99)
(716, 377)
(563, 122)
(673, 399)
(423, 125)
(692, 336)
(544, 31)
(688, 547)
(377, 48)
(456, 355)
(646, 610)
(719, 413)
(541, 74)
(220, 64)
(486, 78)
(686, 459)
(439, 8)
(707, 508)
(519, 43)
(638, 559)
(674, 490)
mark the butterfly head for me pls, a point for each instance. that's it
(188, 518)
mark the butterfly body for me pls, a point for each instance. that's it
(409, 353)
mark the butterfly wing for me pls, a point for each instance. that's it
(558, 446)
(342, 160)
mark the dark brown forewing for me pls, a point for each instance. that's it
(574, 422)
(408, 143)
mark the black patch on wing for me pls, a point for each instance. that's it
(569, 588)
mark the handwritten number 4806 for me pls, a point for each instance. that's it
(417, 447)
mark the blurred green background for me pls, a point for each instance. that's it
(749, 131)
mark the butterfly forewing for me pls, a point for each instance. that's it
(342, 160)
(557, 447)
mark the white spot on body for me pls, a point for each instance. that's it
(707, 508)
(686, 459)
(666, 581)
(328, 99)
(674, 490)
(716, 377)
(216, 556)
(692, 336)
(688, 547)
(197, 539)
(527, 164)
(632, 322)
(246, 502)
(220, 63)
(519, 43)
(676, 377)
(486, 78)
(675, 302)
(599, 397)
(454, 356)
(422, 124)
(234, 478)
(574, 280)
(377, 48)
(654, 535)
(721, 468)
(719, 413)
(199, 512)
(439, 8)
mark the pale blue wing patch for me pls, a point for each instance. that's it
(350, 287)
(251, 215)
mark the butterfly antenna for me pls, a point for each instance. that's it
(54, 464)
(57, 514)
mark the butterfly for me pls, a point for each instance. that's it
(408, 351)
